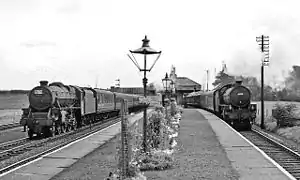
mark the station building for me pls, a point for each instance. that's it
(182, 85)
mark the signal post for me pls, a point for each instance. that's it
(263, 41)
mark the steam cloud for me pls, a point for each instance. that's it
(284, 43)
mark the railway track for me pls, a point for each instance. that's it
(284, 156)
(11, 144)
(9, 126)
(16, 150)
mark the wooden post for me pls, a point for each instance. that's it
(167, 117)
(124, 139)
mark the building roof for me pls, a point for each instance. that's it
(184, 83)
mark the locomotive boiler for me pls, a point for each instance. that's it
(56, 94)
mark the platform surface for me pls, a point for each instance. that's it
(250, 163)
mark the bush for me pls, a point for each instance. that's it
(161, 141)
(156, 161)
(284, 114)
(271, 124)
(292, 133)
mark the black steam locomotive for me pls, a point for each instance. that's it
(231, 102)
(56, 108)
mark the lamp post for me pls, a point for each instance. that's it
(144, 50)
(166, 83)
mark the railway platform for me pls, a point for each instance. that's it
(246, 158)
(47, 166)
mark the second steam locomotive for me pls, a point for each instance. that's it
(231, 102)
(56, 108)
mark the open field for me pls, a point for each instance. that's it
(269, 105)
(13, 101)
(10, 107)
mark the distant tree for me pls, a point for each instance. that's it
(268, 93)
(223, 78)
(291, 91)
(253, 84)
(292, 82)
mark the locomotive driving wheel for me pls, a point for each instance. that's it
(74, 126)
(67, 127)
(63, 128)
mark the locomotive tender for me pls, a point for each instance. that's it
(57, 108)
(231, 102)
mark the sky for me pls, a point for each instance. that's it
(82, 42)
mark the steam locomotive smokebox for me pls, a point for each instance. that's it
(238, 96)
(43, 83)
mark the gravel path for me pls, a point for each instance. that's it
(200, 156)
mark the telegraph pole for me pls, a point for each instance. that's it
(263, 41)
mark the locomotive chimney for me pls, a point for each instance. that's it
(238, 81)
(43, 83)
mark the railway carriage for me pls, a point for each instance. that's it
(132, 101)
(106, 105)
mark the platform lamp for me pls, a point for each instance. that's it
(144, 51)
(166, 84)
